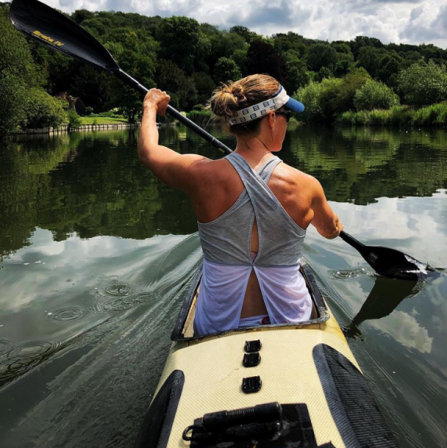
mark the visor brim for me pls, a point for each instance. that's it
(294, 105)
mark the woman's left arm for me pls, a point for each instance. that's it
(170, 167)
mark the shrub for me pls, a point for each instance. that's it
(375, 95)
(42, 110)
(423, 84)
(74, 121)
(332, 96)
(200, 117)
(338, 94)
(310, 97)
(379, 117)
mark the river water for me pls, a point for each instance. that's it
(95, 252)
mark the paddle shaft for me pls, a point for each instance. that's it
(352, 241)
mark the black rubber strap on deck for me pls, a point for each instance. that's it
(157, 424)
(352, 405)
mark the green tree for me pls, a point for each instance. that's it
(290, 41)
(204, 85)
(389, 66)
(171, 78)
(226, 70)
(422, 84)
(244, 32)
(345, 58)
(375, 95)
(321, 55)
(17, 73)
(324, 73)
(223, 44)
(364, 41)
(80, 15)
(297, 76)
(182, 41)
(369, 58)
(93, 87)
(263, 58)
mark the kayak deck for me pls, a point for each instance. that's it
(308, 368)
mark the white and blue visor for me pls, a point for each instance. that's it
(280, 99)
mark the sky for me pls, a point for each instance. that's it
(397, 21)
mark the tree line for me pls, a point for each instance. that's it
(189, 59)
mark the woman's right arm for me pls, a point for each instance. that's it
(325, 219)
(170, 167)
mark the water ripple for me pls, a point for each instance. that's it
(23, 357)
(117, 287)
(68, 314)
(5, 346)
(115, 294)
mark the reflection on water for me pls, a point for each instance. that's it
(96, 252)
(384, 298)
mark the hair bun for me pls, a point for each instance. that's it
(226, 100)
(239, 92)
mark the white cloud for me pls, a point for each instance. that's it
(406, 21)
(406, 330)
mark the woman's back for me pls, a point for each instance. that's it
(251, 228)
(215, 187)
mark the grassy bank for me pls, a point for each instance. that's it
(102, 120)
(398, 116)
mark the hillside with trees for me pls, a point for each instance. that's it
(189, 59)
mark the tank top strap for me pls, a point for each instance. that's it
(266, 170)
(245, 171)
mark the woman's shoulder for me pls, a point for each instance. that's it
(287, 172)
(212, 171)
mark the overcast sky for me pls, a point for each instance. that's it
(399, 21)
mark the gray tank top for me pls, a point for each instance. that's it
(227, 239)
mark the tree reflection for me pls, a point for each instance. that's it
(93, 183)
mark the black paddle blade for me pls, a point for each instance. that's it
(389, 262)
(394, 264)
(59, 32)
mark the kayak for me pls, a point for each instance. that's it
(267, 386)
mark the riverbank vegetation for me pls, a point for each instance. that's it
(343, 81)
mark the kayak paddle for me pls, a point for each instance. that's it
(388, 262)
(62, 34)
(56, 30)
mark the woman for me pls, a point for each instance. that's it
(252, 209)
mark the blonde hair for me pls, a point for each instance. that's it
(233, 96)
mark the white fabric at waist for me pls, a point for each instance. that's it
(222, 294)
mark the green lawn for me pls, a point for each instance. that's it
(102, 120)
